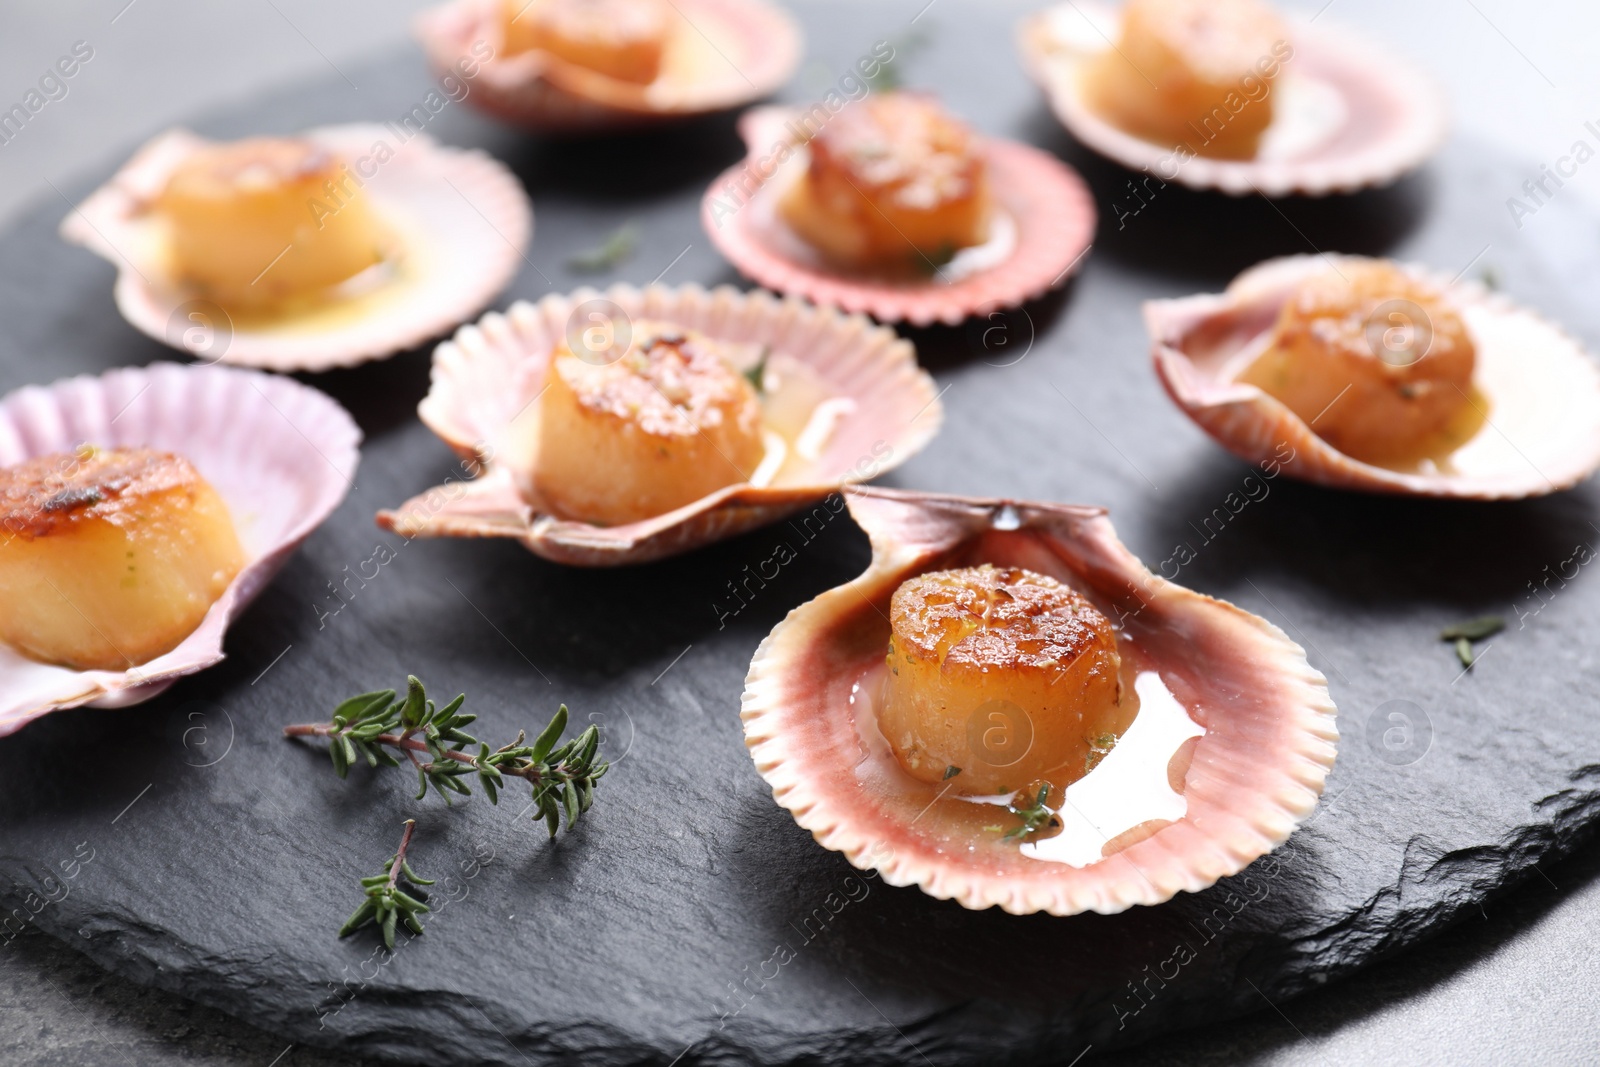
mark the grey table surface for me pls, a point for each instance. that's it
(1516, 986)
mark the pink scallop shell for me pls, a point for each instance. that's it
(1052, 211)
(1543, 430)
(1256, 773)
(467, 219)
(1393, 119)
(752, 49)
(281, 454)
(492, 371)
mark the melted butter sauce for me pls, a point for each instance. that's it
(1129, 788)
(397, 281)
(1134, 790)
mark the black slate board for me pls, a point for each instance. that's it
(224, 857)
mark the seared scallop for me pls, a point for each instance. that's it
(1000, 676)
(258, 221)
(109, 558)
(894, 180)
(1186, 71)
(621, 39)
(629, 438)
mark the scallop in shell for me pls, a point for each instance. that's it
(280, 454)
(716, 55)
(1346, 115)
(843, 401)
(1232, 740)
(1534, 396)
(1044, 221)
(455, 225)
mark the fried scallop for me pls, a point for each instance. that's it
(1191, 71)
(894, 182)
(250, 222)
(1369, 374)
(622, 39)
(999, 677)
(109, 558)
(1225, 95)
(1377, 361)
(334, 246)
(1066, 732)
(671, 417)
(632, 437)
(141, 511)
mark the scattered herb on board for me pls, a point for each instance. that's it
(616, 249)
(1034, 815)
(387, 904)
(367, 726)
(1463, 634)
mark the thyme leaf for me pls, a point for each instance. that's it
(616, 249)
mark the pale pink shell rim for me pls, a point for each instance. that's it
(1053, 206)
(1421, 103)
(484, 182)
(1251, 424)
(520, 90)
(251, 406)
(1181, 857)
(464, 410)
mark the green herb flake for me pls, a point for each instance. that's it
(618, 247)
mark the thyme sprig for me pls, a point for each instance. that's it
(367, 726)
(387, 904)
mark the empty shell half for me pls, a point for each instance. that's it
(1223, 95)
(340, 245)
(625, 426)
(1094, 736)
(1382, 377)
(278, 454)
(566, 66)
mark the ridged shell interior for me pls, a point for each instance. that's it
(1395, 115)
(744, 50)
(1542, 388)
(281, 454)
(1050, 205)
(1256, 773)
(464, 218)
(490, 372)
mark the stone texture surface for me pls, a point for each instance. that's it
(223, 857)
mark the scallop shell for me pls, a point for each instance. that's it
(1255, 774)
(1543, 429)
(1045, 224)
(464, 218)
(491, 372)
(281, 455)
(735, 52)
(1347, 116)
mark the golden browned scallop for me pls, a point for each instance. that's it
(1195, 72)
(999, 678)
(623, 39)
(1376, 361)
(109, 559)
(660, 427)
(255, 222)
(893, 181)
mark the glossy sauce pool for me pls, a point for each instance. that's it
(1133, 791)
